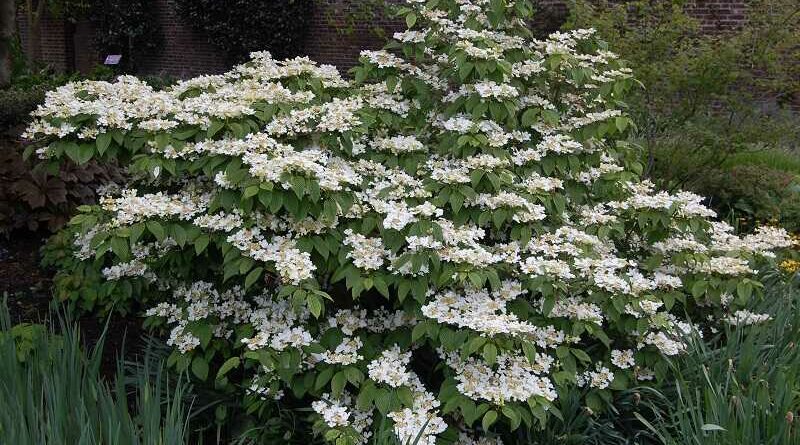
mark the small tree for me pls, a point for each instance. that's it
(36, 10)
(707, 94)
(8, 32)
(238, 27)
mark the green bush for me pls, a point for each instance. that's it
(753, 194)
(16, 104)
(707, 97)
(239, 27)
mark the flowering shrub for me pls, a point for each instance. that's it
(447, 241)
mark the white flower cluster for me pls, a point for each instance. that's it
(476, 309)
(340, 413)
(367, 253)
(277, 326)
(599, 378)
(292, 264)
(622, 358)
(420, 422)
(514, 379)
(201, 301)
(379, 321)
(130, 103)
(399, 144)
(746, 318)
(390, 368)
(346, 353)
(130, 208)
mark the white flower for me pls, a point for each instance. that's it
(746, 318)
(366, 253)
(390, 367)
(622, 359)
(600, 378)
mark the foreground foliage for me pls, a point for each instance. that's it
(446, 244)
(52, 392)
(742, 386)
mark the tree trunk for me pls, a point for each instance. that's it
(34, 10)
(7, 31)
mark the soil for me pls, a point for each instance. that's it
(22, 282)
(27, 289)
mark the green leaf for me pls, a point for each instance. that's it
(179, 234)
(744, 290)
(699, 288)
(214, 128)
(551, 117)
(201, 243)
(200, 367)
(490, 353)
(71, 149)
(252, 277)
(314, 304)
(465, 69)
(621, 123)
(337, 383)
(529, 117)
(488, 419)
(512, 415)
(156, 229)
(323, 378)
(120, 248)
(411, 19)
(250, 191)
(354, 375)
(581, 355)
(85, 153)
(103, 141)
(419, 331)
(203, 332)
(229, 364)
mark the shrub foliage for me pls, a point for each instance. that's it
(444, 243)
(279, 27)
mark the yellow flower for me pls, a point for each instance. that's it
(790, 266)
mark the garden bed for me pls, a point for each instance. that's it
(30, 300)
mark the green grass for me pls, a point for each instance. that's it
(52, 393)
(742, 387)
(781, 160)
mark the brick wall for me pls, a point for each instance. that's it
(186, 53)
(719, 15)
(54, 38)
(333, 41)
